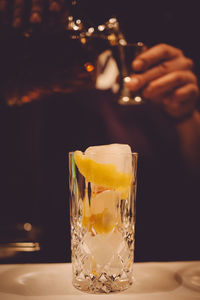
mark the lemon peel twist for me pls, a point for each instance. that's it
(105, 175)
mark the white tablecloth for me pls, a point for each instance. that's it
(153, 281)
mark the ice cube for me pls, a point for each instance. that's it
(100, 247)
(117, 154)
(105, 200)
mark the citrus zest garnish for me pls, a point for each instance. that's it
(105, 175)
(101, 223)
(101, 216)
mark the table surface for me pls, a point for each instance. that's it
(152, 280)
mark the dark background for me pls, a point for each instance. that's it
(35, 137)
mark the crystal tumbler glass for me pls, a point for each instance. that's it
(102, 210)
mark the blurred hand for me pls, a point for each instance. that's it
(165, 77)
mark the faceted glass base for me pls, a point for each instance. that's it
(101, 284)
(102, 263)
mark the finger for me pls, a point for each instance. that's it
(18, 8)
(182, 101)
(138, 81)
(154, 56)
(36, 11)
(188, 91)
(156, 89)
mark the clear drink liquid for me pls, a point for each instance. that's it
(102, 232)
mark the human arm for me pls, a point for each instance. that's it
(166, 78)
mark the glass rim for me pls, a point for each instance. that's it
(113, 153)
